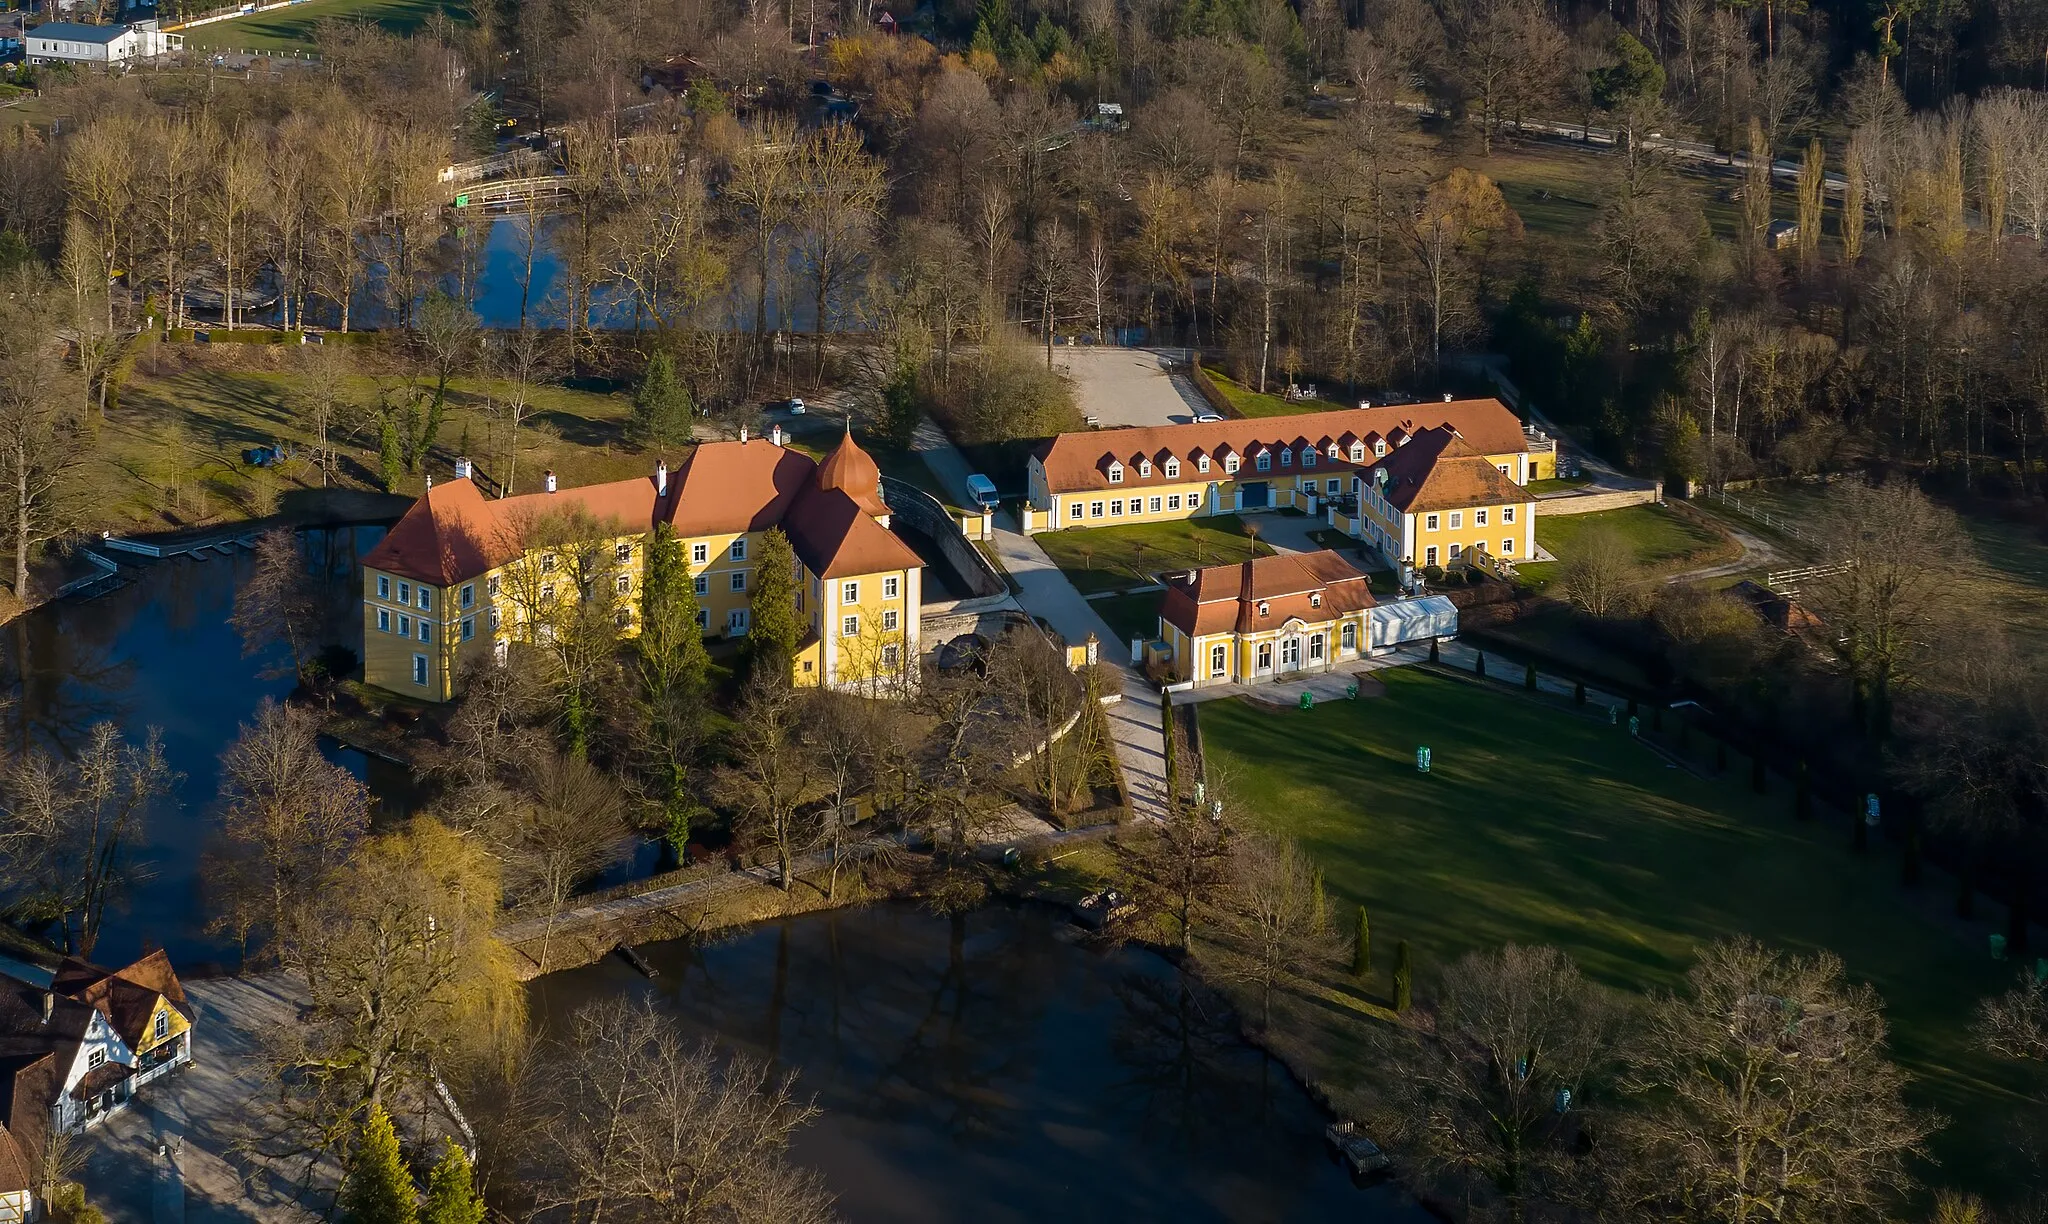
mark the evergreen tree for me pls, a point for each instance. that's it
(390, 453)
(1578, 692)
(1529, 678)
(1404, 978)
(774, 629)
(900, 410)
(1361, 954)
(377, 1188)
(672, 669)
(451, 1193)
(661, 407)
(1479, 668)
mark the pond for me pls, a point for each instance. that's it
(161, 653)
(992, 1067)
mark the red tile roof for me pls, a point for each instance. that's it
(835, 537)
(1316, 587)
(1079, 462)
(1438, 470)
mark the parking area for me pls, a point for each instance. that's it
(1119, 386)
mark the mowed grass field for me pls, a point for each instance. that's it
(1539, 825)
(1664, 539)
(291, 29)
(1119, 558)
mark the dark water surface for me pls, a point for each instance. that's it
(161, 653)
(991, 1068)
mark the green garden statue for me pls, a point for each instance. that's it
(1422, 759)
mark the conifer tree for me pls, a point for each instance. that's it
(451, 1192)
(390, 453)
(377, 1188)
(661, 406)
(1361, 953)
(1404, 978)
(672, 668)
(774, 629)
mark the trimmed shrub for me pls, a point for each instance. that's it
(1479, 668)
(1529, 677)
(1404, 978)
(1578, 692)
(1361, 951)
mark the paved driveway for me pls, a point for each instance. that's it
(1119, 386)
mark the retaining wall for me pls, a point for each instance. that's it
(1593, 503)
(923, 512)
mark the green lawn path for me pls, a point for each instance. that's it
(1537, 825)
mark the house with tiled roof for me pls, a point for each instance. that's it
(461, 574)
(1437, 500)
(77, 1042)
(1109, 477)
(1265, 617)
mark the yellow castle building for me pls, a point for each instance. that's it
(461, 574)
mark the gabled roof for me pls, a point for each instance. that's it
(454, 532)
(737, 486)
(72, 31)
(1438, 470)
(836, 538)
(127, 996)
(1226, 598)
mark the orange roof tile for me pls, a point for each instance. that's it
(1316, 586)
(852, 471)
(1438, 470)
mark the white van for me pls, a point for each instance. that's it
(983, 491)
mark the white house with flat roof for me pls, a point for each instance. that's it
(70, 42)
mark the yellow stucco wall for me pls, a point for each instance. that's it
(177, 1024)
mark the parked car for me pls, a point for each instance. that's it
(1208, 418)
(795, 406)
(983, 491)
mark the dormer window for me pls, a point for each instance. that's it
(1264, 608)
(1315, 599)
(1358, 452)
(1308, 456)
(1201, 463)
(1265, 463)
(1379, 448)
(1116, 473)
(1144, 467)
(1287, 458)
(1172, 468)
(1230, 463)
(1335, 453)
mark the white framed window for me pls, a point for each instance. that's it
(547, 590)
(496, 620)
(404, 625)
(1336, 485)
(625, 584)
(736, 622)
(1457, 550)
(426, 599)
(892, 588)
(1095, 509)
(1172, 468)
(383, 586)
(383, 620)
(1230, 464)
(739, 580)
(892, 656)
(468, 595)
(1429, 522)
(468, 628)
(162, 1028)
(849, 592)
(425, 631)
(1194, 501)
(1265, 656)
(1308, 456)
(1315, 647)
(738, 551)
(1155, 505)
(1507, 514)
(623, 618)
(849, 626)
(1265, 463)
(1116, 473)
(623, 552)
(1074, 510)
(1358, 452)
(1173, 501)
(1219, 660)
(1479, 518)
(703, 621)
(491, 586)
(1348, 637)
(889, 621)
(1201, 463)
(95, 1056)
(1507, 546)
(1457, 519)
(1265, 608)
(1503, 469)
(419, 670)
(700, 553)
(1144, 467)
(1315, 599)
(405, 592)
(703, 585)
(1286, 458)
(1116, 507)
(1429, 555)
(1379, 448)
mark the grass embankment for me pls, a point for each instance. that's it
(1665, 540)
(1119, 558)
(1257, 404)
(292, 29)
(170, 452)
(1539, 825)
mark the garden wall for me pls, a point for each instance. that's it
(921, 511)
(1593, 503)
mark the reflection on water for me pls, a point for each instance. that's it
(161, 653)
(988, 1068)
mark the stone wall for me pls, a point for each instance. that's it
(923, 512)
(1593, 503)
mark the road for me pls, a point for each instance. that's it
(1122, 386)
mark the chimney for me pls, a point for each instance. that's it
(1365, 403)
(430, 480)
(49, 1005)
(661, 478)
(462, 468)
(775, 435)
(551, 482)
(1447, 397)
(743, 435)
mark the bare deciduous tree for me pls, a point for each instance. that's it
(1275, 918)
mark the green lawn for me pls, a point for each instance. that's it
(1130, 616)
(1254, 404)
(291, 29)
(1558, 484)
(1119, 558)
(1664, 539)
(1538, 825)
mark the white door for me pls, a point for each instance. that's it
(1290, 653)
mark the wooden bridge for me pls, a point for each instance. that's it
(513, 193)
(1789, 582)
